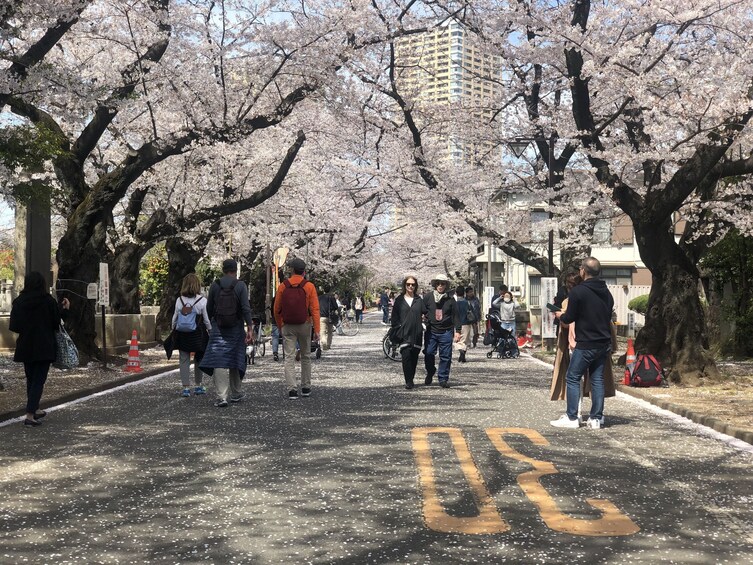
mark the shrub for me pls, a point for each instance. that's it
(639, 304)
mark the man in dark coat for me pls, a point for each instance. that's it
(225, 355)
(590, 307)
(443, 327)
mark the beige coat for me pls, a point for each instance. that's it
(558, 388)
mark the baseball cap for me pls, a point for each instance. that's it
(297, 264)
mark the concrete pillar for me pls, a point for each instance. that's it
(33, 245)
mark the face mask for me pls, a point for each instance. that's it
(507, 300)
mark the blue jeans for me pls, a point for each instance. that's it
(385, 314)
(593, 361)
(275, 338)
(443, 342)
(509, 326)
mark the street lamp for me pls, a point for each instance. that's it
(518, 147)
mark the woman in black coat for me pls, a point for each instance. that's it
(34, 316)
(407, 329)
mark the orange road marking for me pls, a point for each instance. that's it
(488, 520)
(612, 523)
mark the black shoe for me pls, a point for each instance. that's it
(238, 397)
(275, 357)
(305, 392)
(428, 380)
(461, 358)
(28, 422)
(221, 403)
(409, 386)
(293, 395)
(40, 414)
(444, 384)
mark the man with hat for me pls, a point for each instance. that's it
(443, 327)
(296, 310)
(225, 355)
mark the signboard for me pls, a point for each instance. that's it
(548, 293)
(487, 299)
(104, 285)
(631, 324)
(92, 291)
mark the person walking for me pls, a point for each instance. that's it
(466, 319)
(443, 321)
(590, 307)
(358, 304)
(407, 329)
(384, 304)
(35, 316)
(328, 313)
(474, 312)
(191, 327)
(228, 309)
(296, 310)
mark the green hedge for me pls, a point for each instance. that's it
(639, 304)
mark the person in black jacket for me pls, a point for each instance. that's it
(407, 329)
(590, 307)
(443, 321)
(35, 316)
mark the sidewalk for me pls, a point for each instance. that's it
(726, 407)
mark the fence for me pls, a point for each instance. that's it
(622, 295)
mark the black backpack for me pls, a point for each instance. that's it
(226, 312)
(647, 372)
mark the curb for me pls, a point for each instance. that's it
(708, 421)
(81, 393)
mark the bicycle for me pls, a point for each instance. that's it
(391, 350)
(346, 326)
(258, 347)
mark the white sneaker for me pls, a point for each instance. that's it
(595, 423)
(565, 422)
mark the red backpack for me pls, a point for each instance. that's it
(293, 305)
(647, 372)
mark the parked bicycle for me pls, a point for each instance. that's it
(347, 325)
(258, 347)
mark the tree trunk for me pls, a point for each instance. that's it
(75, 270)
(675, 329)
(182, 257)
(124, 278)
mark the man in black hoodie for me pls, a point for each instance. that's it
(590, 307)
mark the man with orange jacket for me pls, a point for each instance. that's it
(296, 310)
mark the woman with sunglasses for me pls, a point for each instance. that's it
(407, 329)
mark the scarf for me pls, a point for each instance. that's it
(438, 296)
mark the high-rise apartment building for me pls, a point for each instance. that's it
(446, 66)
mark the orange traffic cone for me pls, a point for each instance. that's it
(133, 365)
(629, 362)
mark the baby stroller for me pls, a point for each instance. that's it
(502, 341)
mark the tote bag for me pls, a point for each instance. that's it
(66, 356)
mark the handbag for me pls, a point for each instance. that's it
(66, 356)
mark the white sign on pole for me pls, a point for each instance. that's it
(104, 285)
(548, 294)
(488, 297)
(631, 324)
(92, 291)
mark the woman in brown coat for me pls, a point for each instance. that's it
(565, 343)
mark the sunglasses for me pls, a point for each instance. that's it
(410, 284)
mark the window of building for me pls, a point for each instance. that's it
(617, 275)
(602, 231)
(534, 296)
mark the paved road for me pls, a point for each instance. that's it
(366, 472)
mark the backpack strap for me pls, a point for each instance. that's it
(181, 301)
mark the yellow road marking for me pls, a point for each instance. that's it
(612, 523)
(488, 520)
